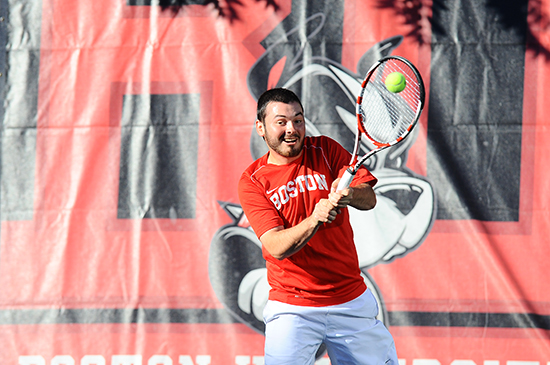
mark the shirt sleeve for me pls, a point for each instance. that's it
(259, 211)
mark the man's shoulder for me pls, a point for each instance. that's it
(248, 174)
(320, 141)
(323, 143)
(254, 165)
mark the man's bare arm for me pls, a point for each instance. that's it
(283, 242)
(361, 197)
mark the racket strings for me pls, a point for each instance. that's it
(388, 116)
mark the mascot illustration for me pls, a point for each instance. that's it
(405, 210)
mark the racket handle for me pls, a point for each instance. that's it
(346, 179)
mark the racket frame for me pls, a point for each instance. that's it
(356, 162)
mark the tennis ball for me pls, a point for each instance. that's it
(395, 82)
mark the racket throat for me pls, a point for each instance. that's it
(346, 179)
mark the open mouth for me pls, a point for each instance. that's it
(290, 140)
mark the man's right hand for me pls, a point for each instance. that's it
(325, 211)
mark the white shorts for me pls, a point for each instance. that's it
(350, 332)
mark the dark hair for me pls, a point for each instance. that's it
(277, 95)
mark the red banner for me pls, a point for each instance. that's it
(126, 126)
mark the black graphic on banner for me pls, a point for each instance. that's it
(19, 109)
(475, 109)
(405, 200)
(158, 158)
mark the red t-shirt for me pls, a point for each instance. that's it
(326, 270)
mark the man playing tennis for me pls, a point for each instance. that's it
(289, 197)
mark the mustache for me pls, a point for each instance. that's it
(284, 136)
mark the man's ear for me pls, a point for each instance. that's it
(260, 128)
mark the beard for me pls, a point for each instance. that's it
(280, 147)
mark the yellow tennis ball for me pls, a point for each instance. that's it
(395, 82)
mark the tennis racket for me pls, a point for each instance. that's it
(385, 117)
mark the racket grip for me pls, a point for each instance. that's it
(346, 179)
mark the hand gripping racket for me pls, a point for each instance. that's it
(385, 117)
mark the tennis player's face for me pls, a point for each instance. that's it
(284, 130)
